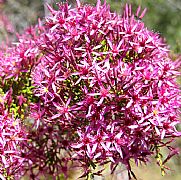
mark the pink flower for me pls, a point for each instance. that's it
(116, 72)
(98, 87)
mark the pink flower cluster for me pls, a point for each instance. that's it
(104, 90)
(16, 63)
(11, 134)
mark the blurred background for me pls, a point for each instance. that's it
(163, 17)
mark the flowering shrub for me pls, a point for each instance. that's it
(87, 88)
